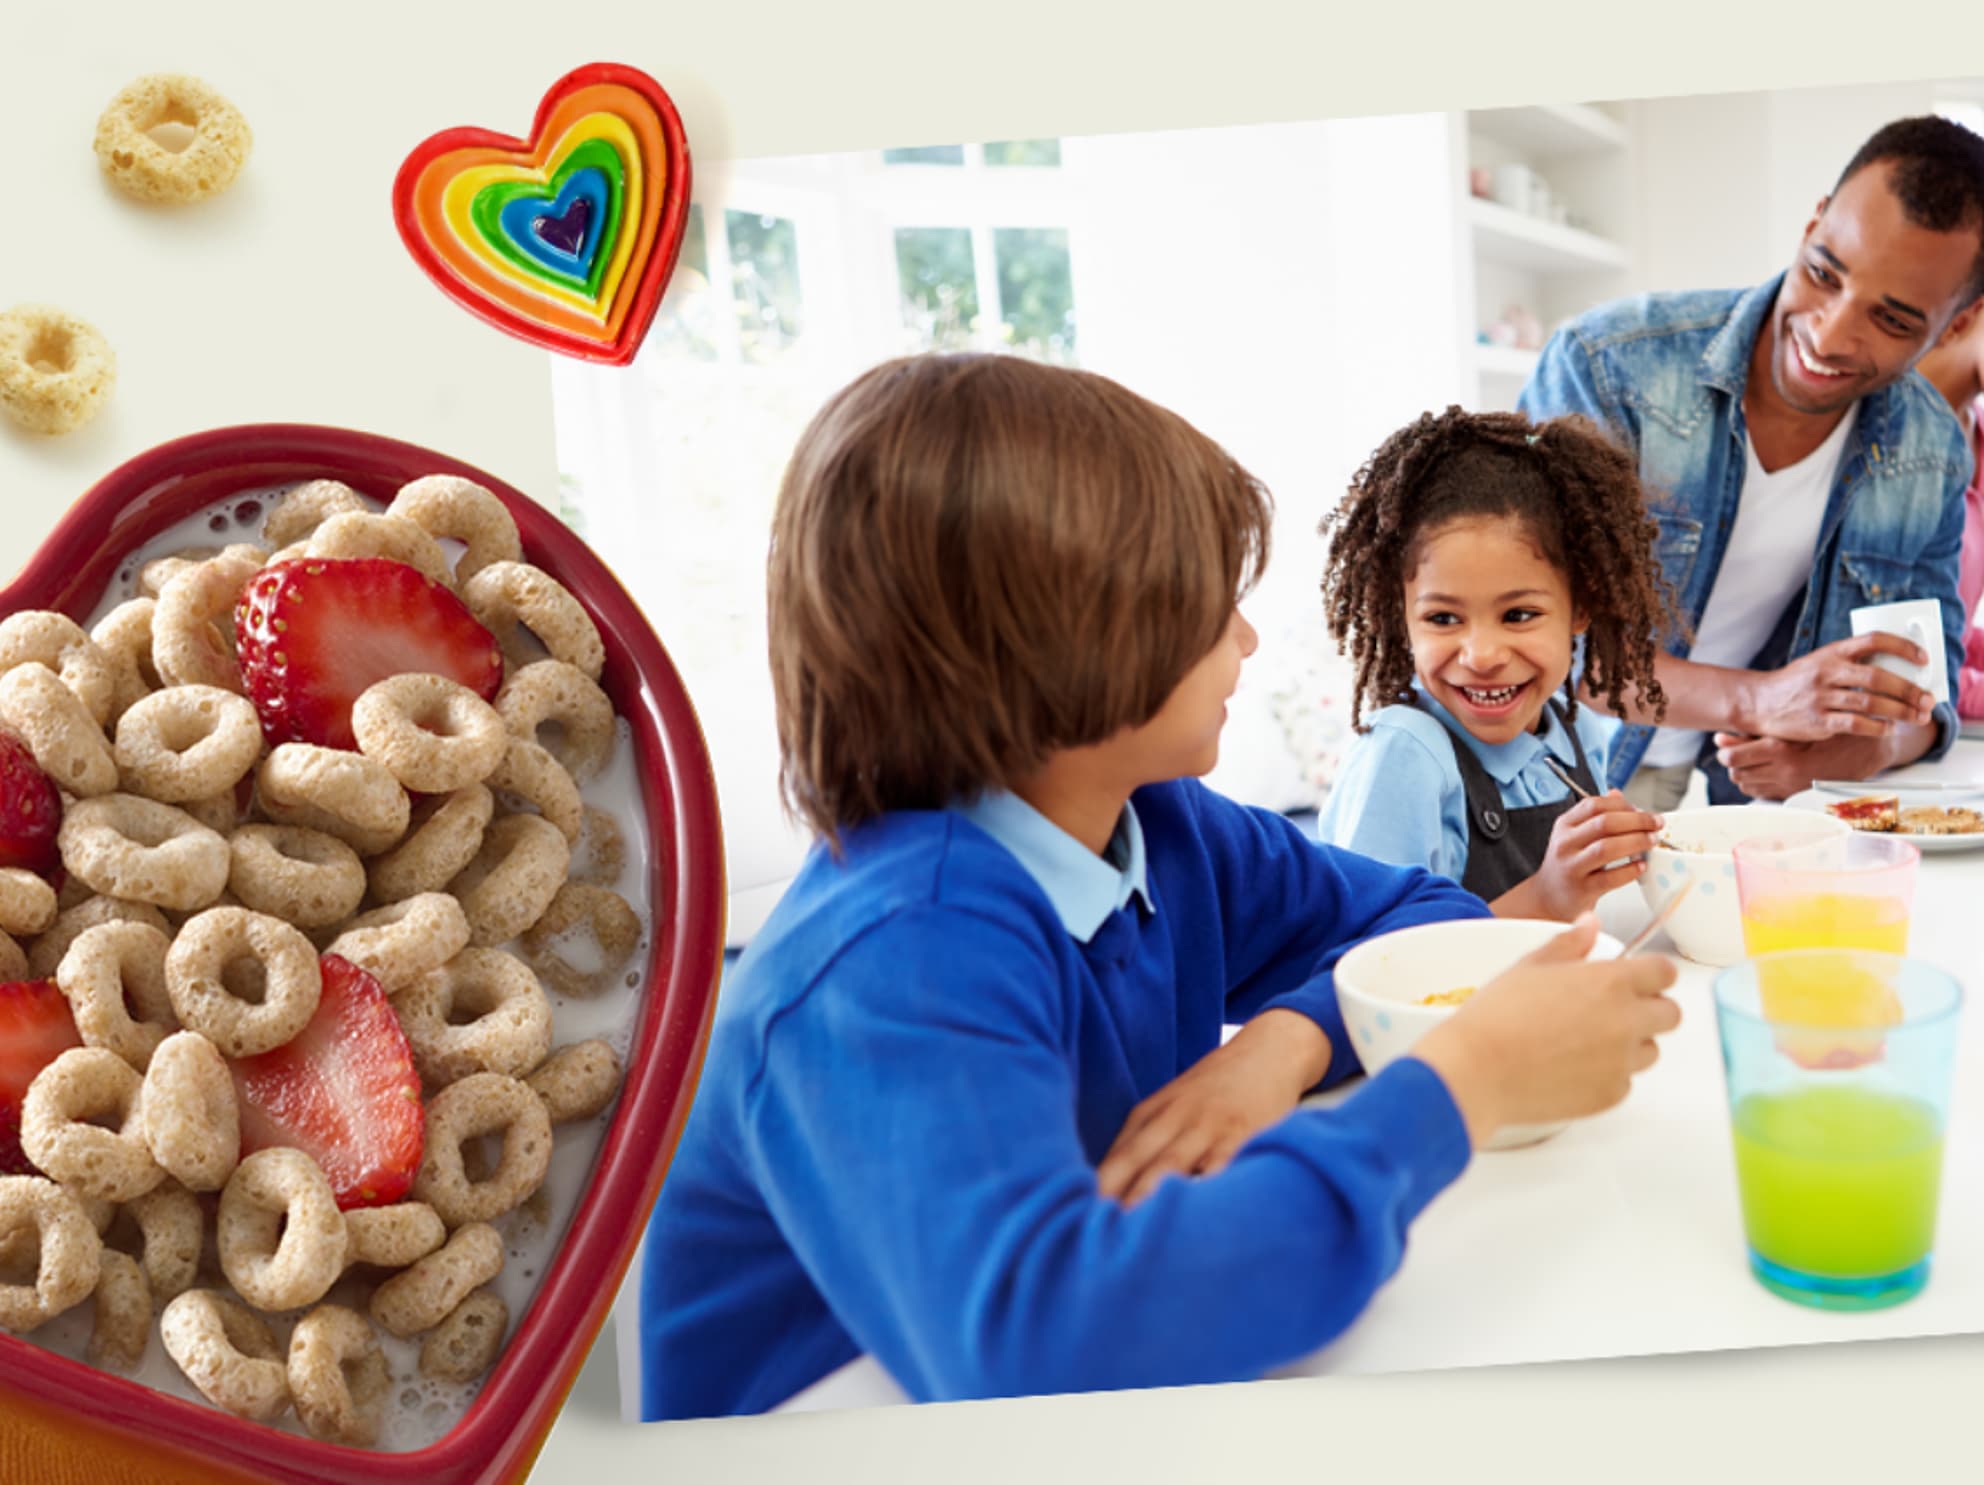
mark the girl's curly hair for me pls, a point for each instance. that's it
(1573, 490)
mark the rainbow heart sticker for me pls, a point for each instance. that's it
(567, 238)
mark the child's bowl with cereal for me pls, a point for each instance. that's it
(1397, 987)
(1697, 845)
(362, 898)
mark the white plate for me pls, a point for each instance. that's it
(1812, 799)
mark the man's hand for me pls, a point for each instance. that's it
(1836, 691)
(1771, 768)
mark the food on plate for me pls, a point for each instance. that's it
(1941, 819)
(1876, 812)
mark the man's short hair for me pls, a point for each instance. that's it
(1938, 176)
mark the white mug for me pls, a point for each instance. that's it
(1920, 621)
(1515, 186)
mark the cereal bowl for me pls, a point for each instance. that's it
(60, 1418)
(1698, 844)
(1382, 985)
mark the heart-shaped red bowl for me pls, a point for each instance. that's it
(63, 1421)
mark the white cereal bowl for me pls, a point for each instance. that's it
(1380, 983)
(1708, 926)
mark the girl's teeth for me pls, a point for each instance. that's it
(1489, 698)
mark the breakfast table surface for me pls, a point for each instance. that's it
(1622, 1235)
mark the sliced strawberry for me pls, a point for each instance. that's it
(30, 809)
(343, 1091)
(35, 1029)
(313, 632)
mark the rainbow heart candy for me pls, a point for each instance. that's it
(567, 238)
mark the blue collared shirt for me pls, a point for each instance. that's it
(1083, 887)
(1665, 374)
(1399, 797)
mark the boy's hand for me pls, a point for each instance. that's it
(1196, 1122)
(1591, 847)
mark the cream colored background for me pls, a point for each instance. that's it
(290, 298)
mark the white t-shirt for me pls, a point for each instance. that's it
(1768, 563)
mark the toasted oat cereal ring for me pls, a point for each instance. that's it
(445, 835)
(600, 854)
(220, 813)
(140, 166)
(123, 1313)
(13, 960)
(506, 596)
(584, 941)
(82, 1085)
(45, 954)
(56, 370)
(71, 1252)
(155, 574)
(60, 643)
(306, 508)
(516, 872)
(482, 1011)
(466, 1344)
(124, 635)
(480, 1104)
(392, 1236)
(424, 1296)
(27, 903)
(563, 697)
(302, 876)
(445, 505)
(187, 743)
(193, 625)
(281, 1235)
(192, 1122)
(432, 734)
(225, 1349)
(349, 534)
(109, 970)
(343, 794)
(195, 973)
(530, 774)
(396, 945)
(126, 846)
(171, 1231)
(67, 742)
(338, 1376)
(576, 1082)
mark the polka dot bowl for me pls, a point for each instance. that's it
(1708, 926)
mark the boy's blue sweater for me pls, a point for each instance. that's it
(915, 1069)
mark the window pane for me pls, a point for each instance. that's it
(685, 325)
(764, 284)
(925, 154)
(939, 292)
(1036, 291)
(1024, 152)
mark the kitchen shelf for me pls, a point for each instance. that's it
(1502, 360)
(1505, 236)
(1550, 130)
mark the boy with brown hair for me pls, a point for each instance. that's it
(948, 1076)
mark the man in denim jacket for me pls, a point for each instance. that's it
(1797, 471)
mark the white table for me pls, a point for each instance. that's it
(1621, 1236)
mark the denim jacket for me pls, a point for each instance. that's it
(1664, 373)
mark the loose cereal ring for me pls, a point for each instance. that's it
(55, 370)
(396, 945)
(57, 1133)
(576, 1082)
(565, 697)
(598, 923)
(123, 1313)
(193, 625)
(306, 508)
(225, 1349)
(13, 961)
(126, 846)
(70, 1250)
(447, 505)
(67, 742)
(350, 534)
(338, 1376)
(392, 1236)
(302, 876)
(192, 1122)
(27, 903)
(187, 743)
(600, 854)
(142, 167)
(432, 734)
(482, 1011)
(172, 1232)
(517, 871)
(45, 954)
(125, 637)
(60, 643)
(480, 1104)
(424, 1296)
(530, 774)
(202, 953)
(110, 970)
(445, 836)
(505, 596)
(465, 1345)
(281, 1235)
(343, 794)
